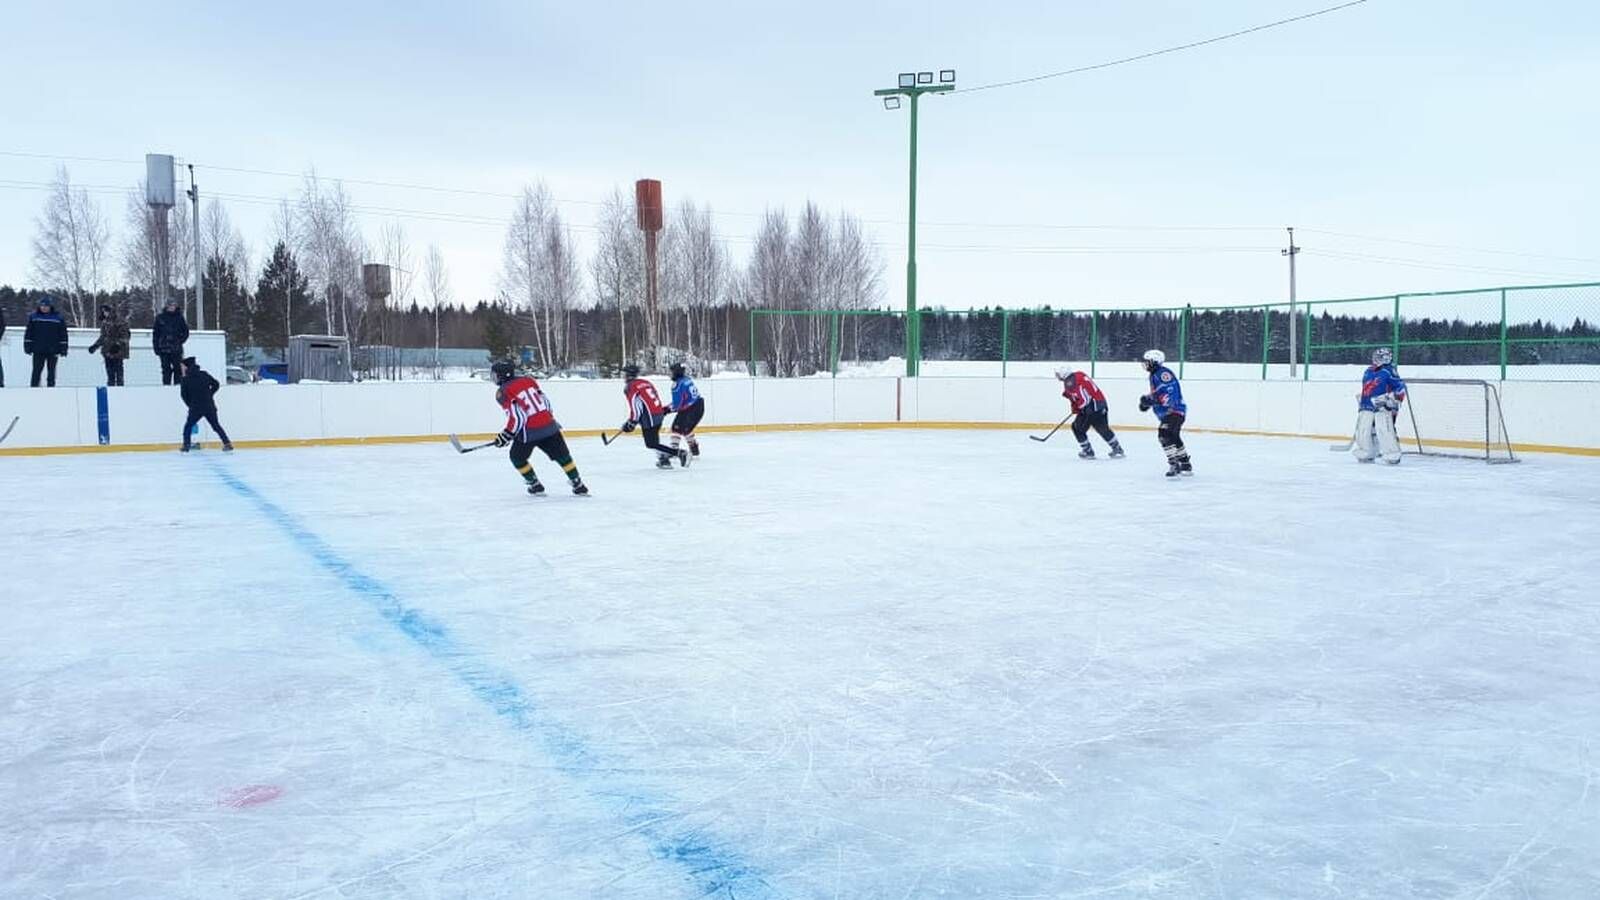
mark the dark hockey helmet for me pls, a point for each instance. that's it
(630, 371)
(503, 371)
(678, 371)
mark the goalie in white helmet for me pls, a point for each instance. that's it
(1382, 392)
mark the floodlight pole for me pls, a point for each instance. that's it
(913, 321)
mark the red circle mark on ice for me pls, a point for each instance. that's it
(251, 795)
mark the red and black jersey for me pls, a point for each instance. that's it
(644, 404)
(526, 408)
(1081, 391)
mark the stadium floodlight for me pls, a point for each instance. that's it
(912, 86)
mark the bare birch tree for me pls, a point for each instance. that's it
(436, 282)
(618, 263)
(69, 246)
(333, 252)
(699, 269)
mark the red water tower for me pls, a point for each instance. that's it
(647, 197)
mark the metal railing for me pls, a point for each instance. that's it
(1535, 332)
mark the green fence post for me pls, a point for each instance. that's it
(1502, 334)
(833, 343)
(1266, 338)
(752, 346)
(1094, 340)
(1183, 338)
(1395, 348)
(1005, 340)
(1305, 372)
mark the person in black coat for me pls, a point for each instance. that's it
(2, 337)
(168, 337)
(199, 392)
(45, 339)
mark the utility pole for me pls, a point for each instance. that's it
(199, 258)
(1294, 333)
(913, 85)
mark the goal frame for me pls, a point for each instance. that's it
(1493, 414)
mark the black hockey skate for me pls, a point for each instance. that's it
(1086, 453)
(683, 458)
(663, 461)
(1185, 467)
(581, 489)
(1174, 470)
(227, 447)
(1116, 451)
(694, 449)
(536, 488)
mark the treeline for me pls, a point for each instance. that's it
(1225, 336)
(569, 304)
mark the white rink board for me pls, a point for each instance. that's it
(1547, 413)
(923, 668)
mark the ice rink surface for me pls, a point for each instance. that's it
(891, 664)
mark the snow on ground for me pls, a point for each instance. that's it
(827, 664)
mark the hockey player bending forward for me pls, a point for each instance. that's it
(1166, 401)
(530, 423)
(688, 408)
(1089, 408)
(1382, 392)
(646, 413)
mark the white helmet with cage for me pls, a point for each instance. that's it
(1063, 373)
(1153, 358)
(1382, 356)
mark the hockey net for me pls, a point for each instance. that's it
(1454, 417)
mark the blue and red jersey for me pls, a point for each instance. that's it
(684, 394)
(1166, 395)
(1379, 380)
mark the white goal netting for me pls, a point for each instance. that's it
(1454, 417)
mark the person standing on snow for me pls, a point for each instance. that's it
(168, 337)
(112, 344)
(45, 339)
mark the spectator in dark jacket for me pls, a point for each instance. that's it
(199, 391)
(45, 339)
(168, 337)
(2, 355)
(112, 343)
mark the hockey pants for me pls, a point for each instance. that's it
(1375, 436)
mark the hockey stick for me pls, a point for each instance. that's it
(609, 439)
(456, 443)
(7, 432)
(1053, 430)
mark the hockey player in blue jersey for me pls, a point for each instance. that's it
(1166, 401)
(689, 406)
(1382, 392)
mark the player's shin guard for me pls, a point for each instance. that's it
(571, 468)
(527, 473)
(694, 445)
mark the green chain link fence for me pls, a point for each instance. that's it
(1541, 333)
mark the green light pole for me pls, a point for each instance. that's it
(912, 86)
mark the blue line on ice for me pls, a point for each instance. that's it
(713, 870)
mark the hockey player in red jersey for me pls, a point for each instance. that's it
(530, 423)
(1089, 409)
(646, 413)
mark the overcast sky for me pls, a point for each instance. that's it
(1467, 123)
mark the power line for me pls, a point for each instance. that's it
(1436, 266)
(1385, 240)
(1162, 52)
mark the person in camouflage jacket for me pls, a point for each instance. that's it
(112, 344)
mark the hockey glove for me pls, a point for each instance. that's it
(627, 426)
(502, 439)
(1144, 403)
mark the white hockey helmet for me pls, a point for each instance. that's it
(1153, 358)
(1063, 373)
(1382, 356)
